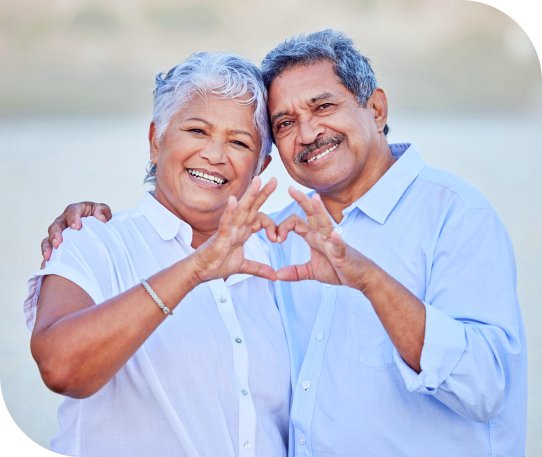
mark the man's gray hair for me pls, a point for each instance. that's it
(352, 68)
(220, 75)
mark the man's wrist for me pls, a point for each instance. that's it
(370, 277)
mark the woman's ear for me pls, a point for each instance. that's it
(153, 142)
(266, 162)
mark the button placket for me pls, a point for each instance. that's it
(247, 412)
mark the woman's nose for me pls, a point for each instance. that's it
(215, 151)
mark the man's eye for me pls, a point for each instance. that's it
(283, 124)
(196, 130)
(324, 105)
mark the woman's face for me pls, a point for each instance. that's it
(209, 151)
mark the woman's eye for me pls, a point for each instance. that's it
(196, 130)
(240, 143)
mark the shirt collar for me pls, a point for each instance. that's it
(380, 200)
(166, 224)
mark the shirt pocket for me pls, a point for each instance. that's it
(366, 339)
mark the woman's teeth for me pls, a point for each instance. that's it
(206, 178)
(327, 151)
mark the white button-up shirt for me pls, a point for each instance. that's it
(212, 380)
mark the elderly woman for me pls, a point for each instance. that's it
(212, 380)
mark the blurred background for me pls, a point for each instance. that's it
(463, 83)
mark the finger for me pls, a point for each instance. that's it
(102, 212)
(258, 269)
(295, 273)
(338, 245)
(264, 221)
(42, 264)
(46, 249)
(260, 199)
(292, 223)
(227, 218)
(325, 227)
(246, 202)
(55, 231)
(305, 203)
(73, 214)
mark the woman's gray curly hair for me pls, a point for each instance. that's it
(220, 75)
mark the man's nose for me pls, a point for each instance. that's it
(215, 151)
(308, 131)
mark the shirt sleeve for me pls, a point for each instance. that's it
(81, 258)
(472, 343)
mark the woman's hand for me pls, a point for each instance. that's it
(223, 255)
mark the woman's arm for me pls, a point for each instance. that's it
(79, 347)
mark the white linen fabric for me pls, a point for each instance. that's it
(212, 380)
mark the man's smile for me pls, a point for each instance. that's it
(327, 151)
(316, 150)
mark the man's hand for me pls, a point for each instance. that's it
(223, 254)
(71, 217)
(332, 260)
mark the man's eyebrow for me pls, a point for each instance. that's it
(319, 98)
(276, 116)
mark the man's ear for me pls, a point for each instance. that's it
(266, 162)
(378, 103)
(153, 142)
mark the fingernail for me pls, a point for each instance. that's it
(74, 226)
(279, 239)
(55, 242)
(101, 217)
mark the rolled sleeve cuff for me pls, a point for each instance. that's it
(443, 346)
(54, 268)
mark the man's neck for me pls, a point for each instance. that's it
(339, 199)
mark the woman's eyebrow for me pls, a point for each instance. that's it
(201, 120)
(242, 132)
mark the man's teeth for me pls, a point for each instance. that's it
(206, 177)
(327, 151)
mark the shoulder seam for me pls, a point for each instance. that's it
(467, 207)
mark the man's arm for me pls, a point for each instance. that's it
(462, 344)
(334, 262)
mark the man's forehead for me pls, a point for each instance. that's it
(308, 84)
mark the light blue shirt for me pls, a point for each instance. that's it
(353, 393)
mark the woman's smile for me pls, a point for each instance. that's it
(206, 178)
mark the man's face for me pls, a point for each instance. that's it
(324, 137)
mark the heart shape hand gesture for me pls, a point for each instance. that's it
(332, 260)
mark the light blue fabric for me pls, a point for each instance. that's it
(353, 394)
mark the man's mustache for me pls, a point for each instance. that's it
(318, 143)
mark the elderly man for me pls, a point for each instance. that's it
(397, 288)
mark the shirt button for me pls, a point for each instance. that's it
(302, 440)
(245, 392)
(328, 285)
(248, 445)
(339, 230)
(319, 336)
(306, 385)
(238, 340)
(223, 299)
